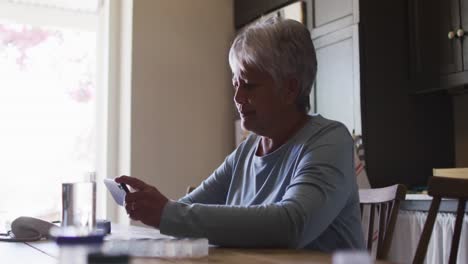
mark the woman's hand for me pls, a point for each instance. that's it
(145, 204)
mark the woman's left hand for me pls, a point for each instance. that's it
(146, 204)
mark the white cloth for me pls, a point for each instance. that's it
(359, 163)
(361, 174)
(408, 231)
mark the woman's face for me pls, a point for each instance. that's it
(259, 101)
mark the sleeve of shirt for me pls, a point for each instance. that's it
(318, 191)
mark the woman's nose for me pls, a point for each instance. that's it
(239, 96)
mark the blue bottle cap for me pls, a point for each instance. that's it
(96, 238)
(94, 258)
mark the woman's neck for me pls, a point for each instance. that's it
(288, 129)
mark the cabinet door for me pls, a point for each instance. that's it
(464, 26)
(332, 15)
(451, 57)
(337, 88)
(432, 54)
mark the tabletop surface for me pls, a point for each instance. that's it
(47, 252)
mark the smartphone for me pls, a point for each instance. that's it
(124, 187)
(117, 190)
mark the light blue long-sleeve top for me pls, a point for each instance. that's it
(302, 195)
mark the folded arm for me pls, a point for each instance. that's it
(314, 198)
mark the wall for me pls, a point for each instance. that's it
(460, 110)
(181, 101)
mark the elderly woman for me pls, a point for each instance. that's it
(291, 183)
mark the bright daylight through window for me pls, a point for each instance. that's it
(47, 113)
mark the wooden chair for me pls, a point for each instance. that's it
(189, 189)
(386, 202)
(443, 187)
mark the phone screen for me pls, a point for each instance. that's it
(117, 190)
(124, 187)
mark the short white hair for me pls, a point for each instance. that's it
(282, 48)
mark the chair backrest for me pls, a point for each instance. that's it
(360, 163)
(385, 203)
(443, 187)
(189, 189)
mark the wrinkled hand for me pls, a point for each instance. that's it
(145, 204)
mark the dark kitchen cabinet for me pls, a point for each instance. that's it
(405, 135)
(247, 10)
(438, 44)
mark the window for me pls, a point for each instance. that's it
(48, 101)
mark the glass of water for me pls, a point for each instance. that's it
(79, 206)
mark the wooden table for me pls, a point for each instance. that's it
(46, 252)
